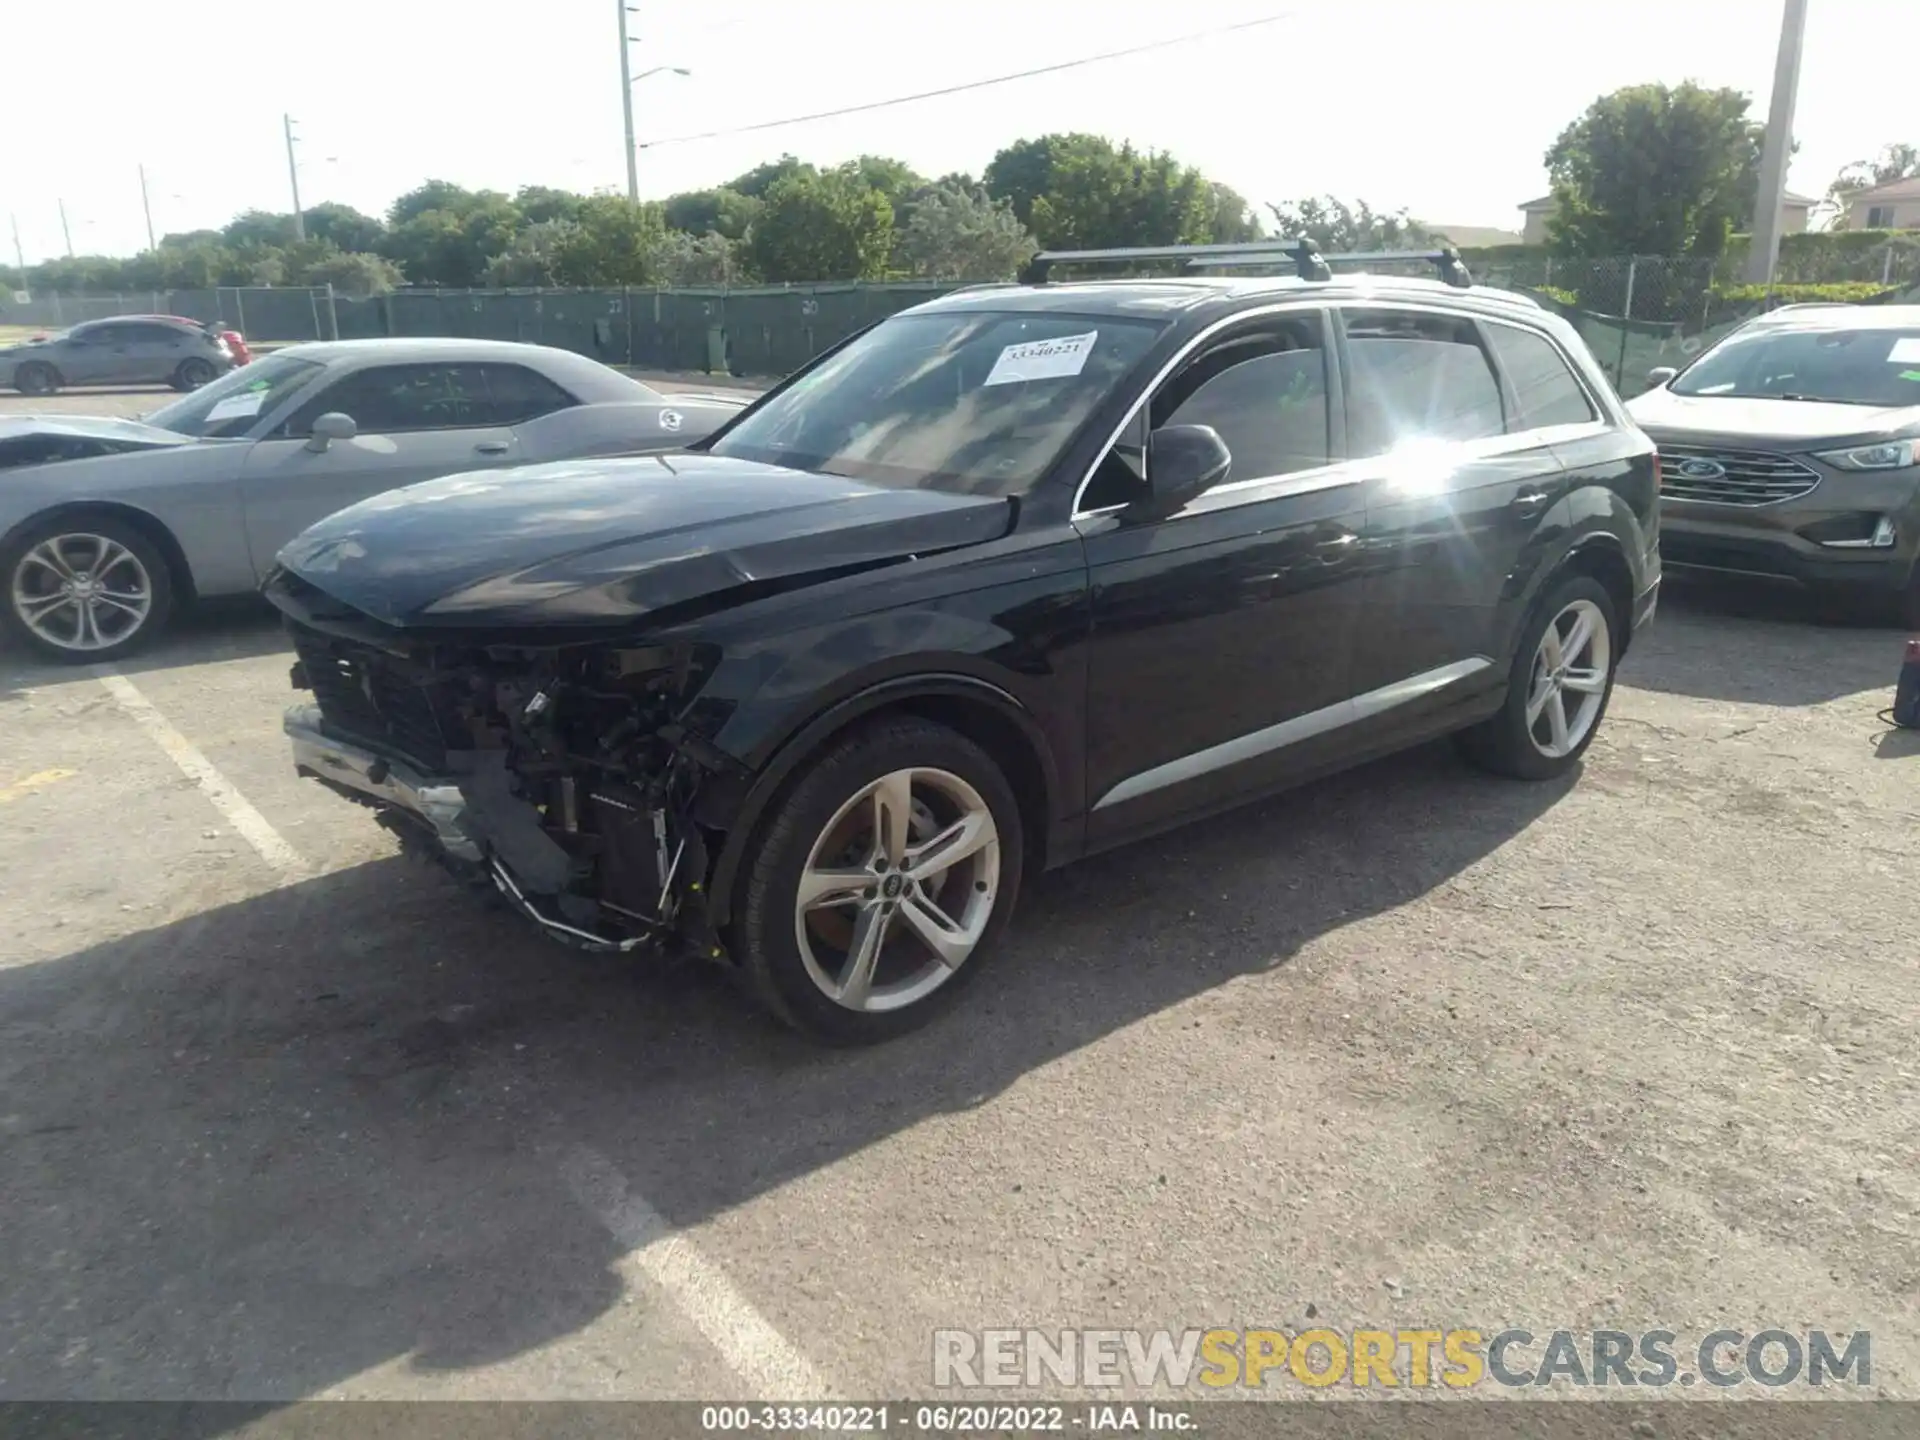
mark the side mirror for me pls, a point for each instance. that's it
(1660, 375)
(1183, 461)
(330, 427)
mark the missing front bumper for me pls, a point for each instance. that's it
(435, 800)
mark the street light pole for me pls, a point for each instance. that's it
(626, 106)
(1764, 253)
(65, 230)
(19, 255)
(146, 207)
(293, 175)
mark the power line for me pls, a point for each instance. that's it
(971, 84)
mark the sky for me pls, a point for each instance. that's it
(1445, 109)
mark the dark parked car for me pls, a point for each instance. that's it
(1792, 452)
(1017, 575)
(129, 350)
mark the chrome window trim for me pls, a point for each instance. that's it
(1314, 723)
(1310, 300)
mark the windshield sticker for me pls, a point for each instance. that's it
(1045, 359)
(1906, 351)
(234, 406)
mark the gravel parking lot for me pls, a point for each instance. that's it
(282, 1115)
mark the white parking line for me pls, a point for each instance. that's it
(758, 1353)
(235, 807)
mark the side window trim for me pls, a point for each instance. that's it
(1487, 325)
(1317, 477)
(1471, 319)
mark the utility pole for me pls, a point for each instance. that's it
(626, 105)
(1764, 253)
(293, 175)
(20, 255)
(146, 207)
(65, 229)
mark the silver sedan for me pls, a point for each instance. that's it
(107, 525)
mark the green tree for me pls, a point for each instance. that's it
(541, 204)
(1023, 172)
(344, 227)
(683, 259)
(532, 257)
(453, 247)
(357, 273)
(1232, 221)
(1894, 162)
(762, 178)
(611, 242)
(434, 195)
(719, 211)
(958, 234)
(1335, 226)
(1655, 170)
(252, 229)
(1100, 197)
(822, 226)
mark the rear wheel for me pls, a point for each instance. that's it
(881, 882)
(36, 377)
(85, 589)
(1562, 680)
(192, 374)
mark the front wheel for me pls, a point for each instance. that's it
(882, 880)
(1562, 680)
(84, 589)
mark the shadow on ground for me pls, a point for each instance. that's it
(213, 631)
(253, 1154)
(1759, 645)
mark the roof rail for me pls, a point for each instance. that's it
(1308, 263)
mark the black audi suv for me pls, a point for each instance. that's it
(1015, 576)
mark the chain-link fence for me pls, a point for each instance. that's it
(1634, 312)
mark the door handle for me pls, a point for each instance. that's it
(493, 447)
(1332, 549)
(1529, 503)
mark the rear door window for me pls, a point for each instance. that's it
(1545, 391)
(1416, 377)
(516, 394)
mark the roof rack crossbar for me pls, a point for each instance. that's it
(1308, 262)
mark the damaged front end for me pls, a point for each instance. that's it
(562, 777)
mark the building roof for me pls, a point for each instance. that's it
(1893, 190)
(1473, 237)
(1545, 202)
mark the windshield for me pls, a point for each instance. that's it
(1852, 367)
(231, 404)
(976, 402)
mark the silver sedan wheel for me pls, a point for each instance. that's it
(898, 890)
(1569, 680)
(82, 592)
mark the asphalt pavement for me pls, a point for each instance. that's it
(282, 1115)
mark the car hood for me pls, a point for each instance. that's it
(1767, 424)
(90, 427)
(607, 542)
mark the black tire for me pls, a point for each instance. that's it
(36, 377)
(763, 936)
(17, 575)
(1505, 743)
(192, 374)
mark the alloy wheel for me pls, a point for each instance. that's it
(897, 890)
(82, 592)
(1568, 686)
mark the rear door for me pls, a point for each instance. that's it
(1457, 481)
(416, 422)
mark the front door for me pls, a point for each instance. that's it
(415, 422)
(1219, 658)
(1459, 474)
